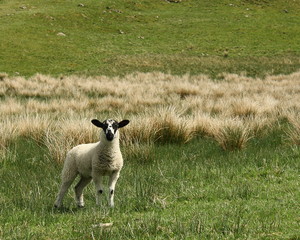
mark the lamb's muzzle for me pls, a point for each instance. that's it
(92, 162)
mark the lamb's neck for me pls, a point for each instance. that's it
(109, 146)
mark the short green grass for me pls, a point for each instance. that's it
(119, 37)
(191, 191)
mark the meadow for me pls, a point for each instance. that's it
(204, 158)
(212, 92)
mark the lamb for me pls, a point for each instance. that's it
(93, 161)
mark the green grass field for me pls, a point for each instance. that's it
(119, 37)
(192, 191)
(170, 190)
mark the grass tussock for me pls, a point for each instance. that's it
(66, 134)
(8, 132)
(293, 131)
(143, 153)
(166, 125)
(233, 135)
(163, 108)
(172, 127)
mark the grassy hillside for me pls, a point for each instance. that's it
(204, 159)
(117, 37)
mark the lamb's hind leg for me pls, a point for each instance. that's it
(63, 189)
(78, 190)
(112, 183)
(68, 176)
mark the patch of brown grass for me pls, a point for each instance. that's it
(162, 108)
(233, 135)
(293, 131)
(67, 133)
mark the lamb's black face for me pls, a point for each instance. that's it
(110, 127)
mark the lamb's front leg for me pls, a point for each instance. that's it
(112, 183)
(98, 186)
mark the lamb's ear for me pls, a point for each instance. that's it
(97, 123)
(123, 123)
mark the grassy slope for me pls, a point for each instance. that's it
(191, 36)
(207, 194)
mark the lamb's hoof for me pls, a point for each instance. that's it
(80, 206)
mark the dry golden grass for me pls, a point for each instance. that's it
(8, 132)
(293, 131)
(67, 133)
(162, 108)
(140, 152)
(233, 134)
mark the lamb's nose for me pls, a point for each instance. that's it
(109, 136)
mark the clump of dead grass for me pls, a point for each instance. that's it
(172, 126)
(233, 135)
(244, 108)
(8, 132)
(166, 125)
(67, 133)
(293, 131)
(204, 125)
(143, 153)
(33, 126)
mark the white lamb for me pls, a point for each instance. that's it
(93, 161)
